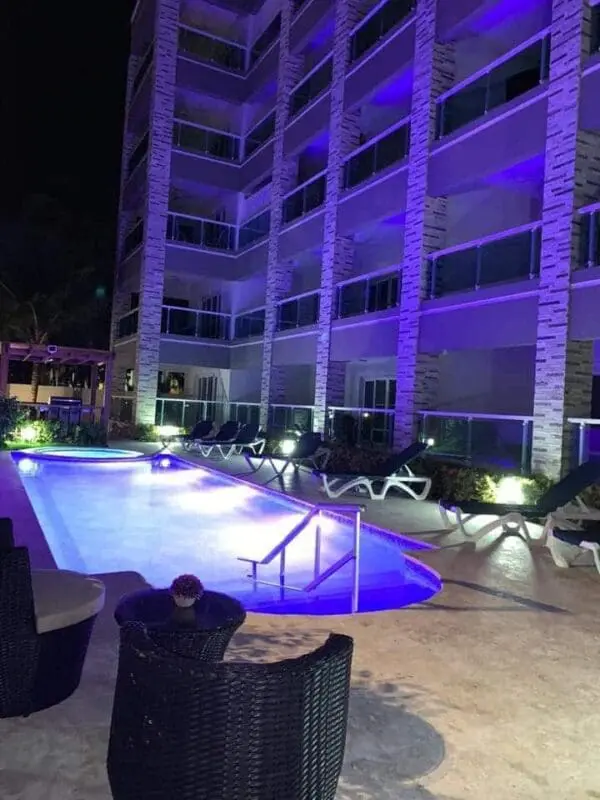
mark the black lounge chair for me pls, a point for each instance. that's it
(226, 435)
(309, 451)
(392, 473)
(561, 499)
(201, 430)
(185, 727)
(247, 438)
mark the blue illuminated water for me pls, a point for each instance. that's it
(160, 518)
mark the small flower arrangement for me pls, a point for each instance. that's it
(185, 590)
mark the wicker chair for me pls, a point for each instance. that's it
(196, 730)
(37, 669)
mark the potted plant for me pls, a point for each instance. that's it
(186, 590)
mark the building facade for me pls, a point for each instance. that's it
(382, 215)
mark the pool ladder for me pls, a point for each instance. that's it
(319, 577)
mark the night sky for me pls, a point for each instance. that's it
(62, 104)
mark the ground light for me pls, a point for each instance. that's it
(510, 491)
(28, 433)
(167, 430)
(287, 446)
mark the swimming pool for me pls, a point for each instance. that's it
(161, 517)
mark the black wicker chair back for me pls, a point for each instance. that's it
(19, 642)
(227, 731)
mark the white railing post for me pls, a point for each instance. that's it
(317, 569)
(356, 563)
(581, 454)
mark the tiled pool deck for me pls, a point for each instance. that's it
(488, 691)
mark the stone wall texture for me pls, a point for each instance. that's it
(563, 377)
(425, 226)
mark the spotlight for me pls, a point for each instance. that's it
(510, 491)
(28, 434)
(287, 446)
(27, 466)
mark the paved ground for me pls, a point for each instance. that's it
(487, 691)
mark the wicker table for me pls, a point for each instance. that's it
(202, 631)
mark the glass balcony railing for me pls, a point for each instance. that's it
(139, 153)
(194, 324)
(508, 257)
(589, 239)
(142, 69)
(488, 440)
(254, 229)
(595, 44)
(249, 324)
(201, 232)
(245, 413)
(298, 312)
(361, 426)
(265, 40)
(367, 296)
(133, 239)
(311, 87)
(260, 134)
(185, 413)
(373, 158)
(283, 418)
(377, 26)
(220, 52)
(128, 325)
(504, 82)
(307, 197)
(207, 141)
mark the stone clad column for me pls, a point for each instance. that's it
(425, 226)
(158, 170)
(338, 251)
(563, 373)
(278, 274)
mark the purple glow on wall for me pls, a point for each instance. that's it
(508, 11)
(396, 91)
(530, 171)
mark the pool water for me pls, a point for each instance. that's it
(161, 518)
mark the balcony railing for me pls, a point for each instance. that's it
(208, 141)
(128, 325)
(311, 86)
(284, 417)
(305, 198)
(367, 295)
(254, 229)
(260, 134)
(378, 25)
(212, 49)
(589, 238)
(185, 413)
(595, 29)
(298, 312)
(502, 81)
(194, 323)
(509, 256)
(200, 232)
(265, 40)
(364, 426)
(374, 157)
(133, 239)
(245, 413)
(586, 438)
(142, 69)
(495, 440)
(139, 153)
(249, 324)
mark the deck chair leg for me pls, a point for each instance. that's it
(594, 548)
(563, 554)
(446, 521)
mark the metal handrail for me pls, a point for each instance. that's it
(352, 555)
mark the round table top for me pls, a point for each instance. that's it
(63, 598)
(156, 608)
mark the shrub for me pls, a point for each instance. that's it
(131, 431)
(10, 417)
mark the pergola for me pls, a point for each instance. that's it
(61, 356)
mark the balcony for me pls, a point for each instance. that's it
(298, 312)
(194, 324)
(373, 157)
(304, 198)
(311, 86)
(504, 257)
(142, 69)
(501, 82)
(128, 325)
(212, 50)
(589, 239)
(249, 324)
(140, 151)
(200, 232)
(206, 141)
(367, 295)
(377, 25)
(265, 40)
(260, 134)
(133, 239)
(254, 229)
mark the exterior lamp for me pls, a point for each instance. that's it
(509, 491)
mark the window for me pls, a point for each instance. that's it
(207, 388)
(379, 393)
